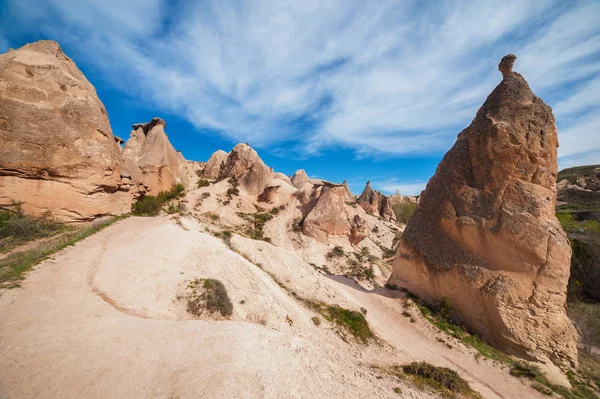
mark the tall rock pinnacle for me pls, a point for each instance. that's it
(485, 235)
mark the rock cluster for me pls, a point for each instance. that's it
(375, 203)
(485, 234)
(57, 149)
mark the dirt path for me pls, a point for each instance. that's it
(102, 319)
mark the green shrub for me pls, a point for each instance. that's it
(404, 211)
(213, 298)
(203, 183)
(149, 205)
(336, 252)
(441, 379)
(17, 227)
(354, 322)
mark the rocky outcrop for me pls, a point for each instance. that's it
(245, 165)
(328, 215)
(375, 203)
(57, 149)
(359, 230)
(214, 164)
(299, 179)
(485, 235)
(150, 150)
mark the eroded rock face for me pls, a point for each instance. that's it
(57, 149)
(245, 165)
(485, 235)
(328, 215)
(214, 164)
(150, 150)
(376, 203)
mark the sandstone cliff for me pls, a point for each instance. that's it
(57, 150)
(485, 235)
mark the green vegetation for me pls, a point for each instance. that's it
(353, 322)
(336, 252)
(233, 190)
(442, 380)
(297, 225)
(582, 386)
(404, 211)
(17, 228)
(13, 267)
(258, 223)
(347, 321)
(316, 320)
(149, 205)
(440, 317)
(211, 297)
(203, 183)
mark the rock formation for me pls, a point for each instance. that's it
(485, 235)
(375, 203)
(300, 178)
(214, 164)
(245, 165)
(57, 149)
(328, 215)
(149, 149)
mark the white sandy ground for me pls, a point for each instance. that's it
(101, 319)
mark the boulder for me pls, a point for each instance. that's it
(485, 235)
(159, 164)
(57, 149)
(214, 164)
(376, 203)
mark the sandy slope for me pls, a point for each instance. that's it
(102, 319)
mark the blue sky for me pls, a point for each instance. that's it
(354, 90)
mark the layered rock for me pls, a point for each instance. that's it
(214, 164)
(245, 165)
(57, 149)
(376, 203)
(485, 235)
(150, 150)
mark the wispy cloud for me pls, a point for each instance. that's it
(392, 186)
(391, 78)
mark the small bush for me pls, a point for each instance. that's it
(203, 183)
(336, 252)
(233, 190)
(525, 370)
(16, 227)
(354, 322)
(316, 320)
(297, 225)
(149, 205)
(441, 379)
(213, 298)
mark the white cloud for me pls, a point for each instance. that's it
(390, 186)
(395, 78)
